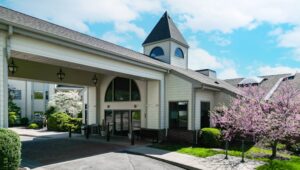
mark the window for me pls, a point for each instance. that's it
(136, 119)
(122, 89)
(178, 118)
(205, 118)
(47, 95)
(38, 95)
(135, 94)
(179, 53)
(156, 51)
(15, 94)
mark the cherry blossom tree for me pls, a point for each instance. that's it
(274, 120)
(67, 102)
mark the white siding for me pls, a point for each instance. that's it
(165, 45)
(202, 95)
(178, 89)
(223, 98)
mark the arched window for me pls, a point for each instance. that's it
(179, 53)
(122, 89)
(156, 51)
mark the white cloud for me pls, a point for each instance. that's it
(113, 37)
(291, 39)
(220, 40)
(201, 59)
(267, 70)
(228, 15)
(77, 14)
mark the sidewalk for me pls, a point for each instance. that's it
(216, 162)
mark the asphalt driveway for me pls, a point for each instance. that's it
(64, 154)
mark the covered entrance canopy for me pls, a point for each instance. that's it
(40, 49)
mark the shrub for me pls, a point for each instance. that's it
(12, 118)
(58, 122)
(33, 126)
(75, 124)
(24, 121)
(50, 111)
(10, 149)
(210, 137)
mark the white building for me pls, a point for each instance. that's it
(154, 91)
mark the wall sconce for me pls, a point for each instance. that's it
(108, 106)
(135, 106)
(60, 75)
(95, 79)
(12, 67)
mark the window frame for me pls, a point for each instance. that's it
(157, 47)
(181, 51)
(112, 83)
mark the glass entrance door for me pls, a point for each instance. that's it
(121, 125)
(205, 118)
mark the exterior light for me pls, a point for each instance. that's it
(60, 75)
(95, 79)
(12, 67)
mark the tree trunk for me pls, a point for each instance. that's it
(274, 149)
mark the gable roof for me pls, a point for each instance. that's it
(38, 26)
(165, 29)
(271, 82)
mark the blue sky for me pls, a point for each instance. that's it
(235, 38)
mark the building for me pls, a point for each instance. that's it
(154, 91)
(31, 97)
(269, 83)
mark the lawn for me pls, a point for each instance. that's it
(286, 161)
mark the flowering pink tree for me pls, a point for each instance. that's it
(281, 116)
(273, 120)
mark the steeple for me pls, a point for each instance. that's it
(165, 29)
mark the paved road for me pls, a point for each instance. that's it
(67, 154)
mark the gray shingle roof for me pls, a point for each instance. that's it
(26, 22)
(165, 29)
(270, 81)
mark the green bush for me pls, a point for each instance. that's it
(50, 111)
(12, 118)
(210, 137)
(10, 150)
(58, 122)
(24, 121)
(75, 124)
(33, 126)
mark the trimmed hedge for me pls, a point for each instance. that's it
(210, 137)
(10, 149)
(12, 118)
(33, 126)
(62, 122)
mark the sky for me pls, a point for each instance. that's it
(237, 38)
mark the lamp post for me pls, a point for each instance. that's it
(12, 67)
(60, 75)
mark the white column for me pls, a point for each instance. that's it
(3, 84)
(91, 105)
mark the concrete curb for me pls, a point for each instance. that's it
(164, 160)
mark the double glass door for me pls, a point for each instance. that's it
(121, 119)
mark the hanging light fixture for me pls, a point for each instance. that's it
(95, 79)
(12, 67)
(60, 75)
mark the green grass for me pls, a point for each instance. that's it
(288, 162)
